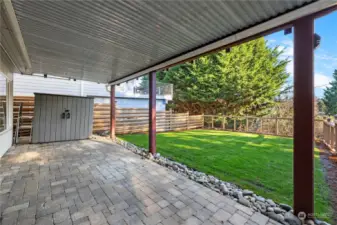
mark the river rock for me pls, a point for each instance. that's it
(319, 222)
(223, 189)
(277, 217)
(271, 202)
(278, 210)
(270, 209)
(285, 207)
(292, 219)
(201, 179)
(243, 201)
(260, 199)
(247, 193)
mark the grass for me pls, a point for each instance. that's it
(260, 163)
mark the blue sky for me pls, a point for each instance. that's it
(325, 55)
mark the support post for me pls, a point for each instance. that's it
(304, 116)
(112, 113)
(247, 124)
(152, 112)
(276, 126)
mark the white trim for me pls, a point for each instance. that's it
(7, 130)
(16, 33)
(273, 23)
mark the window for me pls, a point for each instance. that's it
(3, 102)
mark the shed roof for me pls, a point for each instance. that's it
(112, 41)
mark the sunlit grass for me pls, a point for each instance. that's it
(260, 163)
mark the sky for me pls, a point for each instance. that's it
(325, 61)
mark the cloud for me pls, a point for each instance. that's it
(290, 68)
(322, 81)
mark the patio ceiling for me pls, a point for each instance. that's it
(112, 41)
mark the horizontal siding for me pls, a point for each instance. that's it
(28, 85)
(94, 89)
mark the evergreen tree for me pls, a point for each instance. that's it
(244, 81)
(330, 96)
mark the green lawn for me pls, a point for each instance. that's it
(257, 162)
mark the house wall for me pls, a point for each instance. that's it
(25, 85)
(7, 68)
(134, 103)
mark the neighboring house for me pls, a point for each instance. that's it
(128, 95)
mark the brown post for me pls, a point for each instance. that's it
(187, 119)
(303, 116)
(152, 112)
(112, 113)
(335, 137)
(212, 122)
(234, 128)
(223, 123)
(247, 124)
(276, 126)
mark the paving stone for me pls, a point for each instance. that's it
(179, 204)
(170, 221)
(61, 216)
(86, 182)
(153, 219)
(27, 221)
(97, 219)
(192, 221)
(244, 209)
(114, 218)
(55, 183)
(203, 214)
(186, 212)
(47, 220)
(15, 208)
(163, 203)
(212, 207)
(237, 219)
(166, 212)
(148, 211)
(221, 215)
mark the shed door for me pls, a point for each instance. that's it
(61, 118)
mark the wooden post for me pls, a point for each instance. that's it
(247, 124)
(261, 125)
(212, 122)
(203, 120)
(304, 116)
(234, 128)
(335, 147)
(152, 112)
(276, 126)
(223, 123)
(112, 113)
(187, 120)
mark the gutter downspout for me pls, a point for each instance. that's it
(16, 34)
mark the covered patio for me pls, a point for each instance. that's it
(115, 41)
(98, 183)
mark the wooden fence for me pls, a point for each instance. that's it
(136, 120)
(330, 136)
(261, 125)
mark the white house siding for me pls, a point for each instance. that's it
(28, 85)
(6, 136)
(133, 103)
(25, 85)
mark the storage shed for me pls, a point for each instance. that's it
(62, 118)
